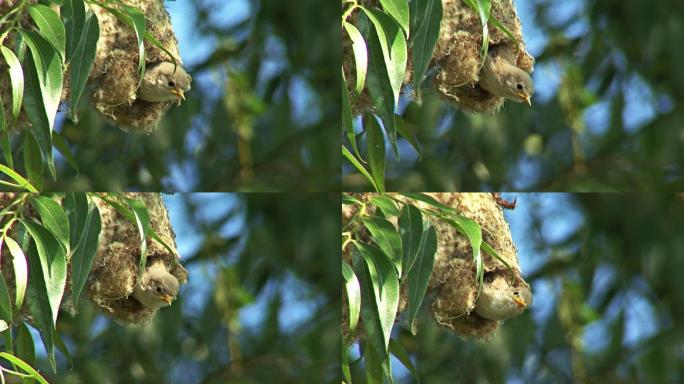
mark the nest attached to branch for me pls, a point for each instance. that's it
(452, 289)
(456, 58)
(113, 275)
(114, 77)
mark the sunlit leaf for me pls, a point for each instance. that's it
(53, 217)
(353, 289)
(50, 26)
(20, 270)
(16, 78)
(85, 252)
(386, 236)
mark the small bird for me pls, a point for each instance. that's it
(500, 76)
(499, 301)
(157, 287)
(164, 82)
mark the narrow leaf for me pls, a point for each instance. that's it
(74, 17)
(53, 217)
(18, 178)
(399, 10)
(385, 287)
(419, 277)
(353, 289)
(347, 119)
(82, 63)
(16, 78)
(20, 270)
(86, 250)
(23, 343)
(428, 16)
(376, 152)
(360, 55)
(33, 161)
(142, 220)
(5, 302)
(64, 149)
(411, 231)
(50, 26)
(23, 365)
(387, 238)
(386, 204)
(349, 156)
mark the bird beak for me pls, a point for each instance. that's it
(178, 92)
(525, 97)
(521, 303)
(168, 299)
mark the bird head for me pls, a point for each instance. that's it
(164, 82)
(518, 85)
(522, 297)
(157, 288)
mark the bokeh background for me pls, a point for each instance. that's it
(261, 304)
(607, 113)
(261, 114)
(605, 271)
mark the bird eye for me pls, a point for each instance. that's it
(159, 289)
(520, 87)
(172, 84)
(516, 293)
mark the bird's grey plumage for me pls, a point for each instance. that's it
(499, 301)
(157, 287)
(164, 82)
(500, 76)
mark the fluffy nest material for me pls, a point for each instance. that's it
(114, 272)
(452, 289)
(114, 77)
(456, 57)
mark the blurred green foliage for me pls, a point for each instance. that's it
(608, 306)
(607, 115)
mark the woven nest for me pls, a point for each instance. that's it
(456, 58)
(114, 77)
(452, 288)
(114, 272)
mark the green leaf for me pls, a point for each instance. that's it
(419, 276)
(346, 372)
(386, 237)
(4, 138)
(360, 56)
(471, 229)
(38, 302)
(74, 16)
(429, 200)
(386, 204)
(347, 118)
(350, 200)
(411, 232)
(24, 366)
(53, 217)
(138, 23)
(76, 208)
(24, 346)
(399, 10)
(44, 88)
(385, 287)
(5, 302)
(16, 78)
(20, 270)
(85, 252)
(428, 16)
(142, 221)
(33, 161)
(50, 26)
(502, 28)
(374, 361)
(393, 48)
(64, 149)
(21, 181)
(52, 260)
(351, 284)
(349, 156)
(376, 152)
(82, 63)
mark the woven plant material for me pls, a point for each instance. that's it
(457, 57)
(113, 80)
(452, 289)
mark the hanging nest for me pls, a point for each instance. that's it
(453, 288)
(114, 272)
(113, 80)
(456, 58)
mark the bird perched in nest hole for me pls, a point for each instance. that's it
(164, 82)
(500, 301)
(500, 76)
(157, 287)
